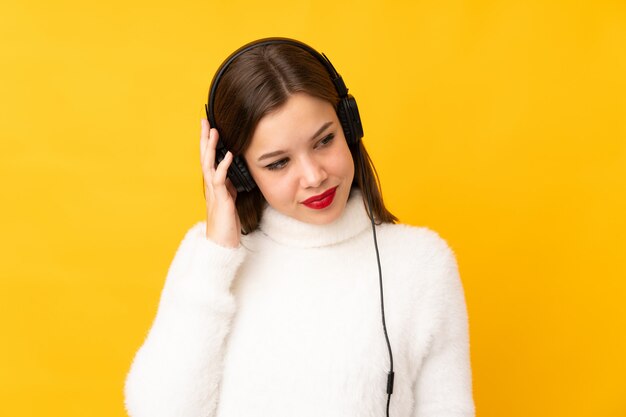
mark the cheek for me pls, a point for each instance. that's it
(350, 163)
(344, 165)
(275, 188)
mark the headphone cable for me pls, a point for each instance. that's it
(390, 375)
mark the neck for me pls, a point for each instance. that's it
(291, 232)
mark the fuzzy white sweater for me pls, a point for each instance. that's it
(289, 324)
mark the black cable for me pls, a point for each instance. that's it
(390, 375)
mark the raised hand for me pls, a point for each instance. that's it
(222, 225)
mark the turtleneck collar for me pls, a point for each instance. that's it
(291, 232)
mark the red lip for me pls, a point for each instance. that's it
(321, 201)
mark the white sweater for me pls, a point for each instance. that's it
(289, 324)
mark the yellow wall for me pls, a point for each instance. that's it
(500, 124)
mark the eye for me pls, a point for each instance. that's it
(280, 164)
(326, 140)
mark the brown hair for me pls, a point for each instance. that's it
(260, 81)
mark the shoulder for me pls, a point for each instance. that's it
(424, 270)
(420, 261)
(420, 243)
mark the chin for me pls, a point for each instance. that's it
(320, 220)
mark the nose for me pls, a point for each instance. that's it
(312, 174)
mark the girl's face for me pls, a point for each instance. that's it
(299, 158)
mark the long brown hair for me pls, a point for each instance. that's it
(260, 81)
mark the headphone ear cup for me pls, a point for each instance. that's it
(348, 113)
(237, 171)
(343, 119)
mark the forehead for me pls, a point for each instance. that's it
(296, 121)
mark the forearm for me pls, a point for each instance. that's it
(177, 370)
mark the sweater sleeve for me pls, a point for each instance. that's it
(177, 370)
(444, 384)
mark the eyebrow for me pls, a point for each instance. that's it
(275, 153)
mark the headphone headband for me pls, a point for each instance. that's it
(342, 90)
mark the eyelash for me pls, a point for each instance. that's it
(281, 163)
(327, 139)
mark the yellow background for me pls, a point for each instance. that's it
(499, 124)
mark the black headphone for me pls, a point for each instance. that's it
(347, 109)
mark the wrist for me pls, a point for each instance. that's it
(227, 241)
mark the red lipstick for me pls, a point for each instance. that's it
(318, 202)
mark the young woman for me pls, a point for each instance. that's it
(272, 307)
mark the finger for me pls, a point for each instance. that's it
(204, 135)
(208, 160)
(204, 141)
(219, 178)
